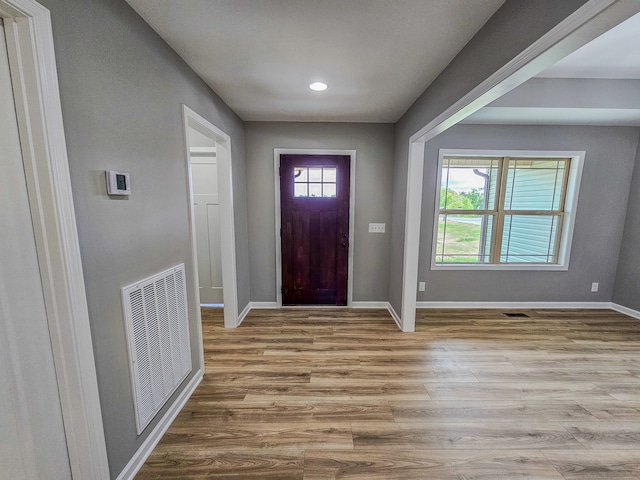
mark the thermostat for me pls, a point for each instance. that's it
(118, 183)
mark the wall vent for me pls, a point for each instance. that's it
(155, 312)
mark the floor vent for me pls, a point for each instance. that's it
(155, 312)
(516, 315)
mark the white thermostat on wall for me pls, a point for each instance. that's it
(118, 183)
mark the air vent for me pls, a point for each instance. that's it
(516, 315)
(155, 311)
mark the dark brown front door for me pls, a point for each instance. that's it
(314, 196)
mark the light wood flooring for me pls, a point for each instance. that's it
(328, 394)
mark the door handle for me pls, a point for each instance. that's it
(345, 244)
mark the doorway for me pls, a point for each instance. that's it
(314, 232)
(220, 144)
(206, 209)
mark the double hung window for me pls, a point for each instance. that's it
(504, 210)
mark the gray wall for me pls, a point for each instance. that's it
(487, 52)
(627, 288)
(122, 88)
(374, 162)
(600, 216)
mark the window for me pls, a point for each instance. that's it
(314, 182)
(511, 211)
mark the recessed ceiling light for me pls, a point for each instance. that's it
(318, 86)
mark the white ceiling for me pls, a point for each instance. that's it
(598, 84)
(614, 54)
(377, 56)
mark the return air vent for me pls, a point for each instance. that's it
(155, 312)
(516, 315)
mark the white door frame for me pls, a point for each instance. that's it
(278, 214)
(588, 22)
(44, 151)
(227, 227)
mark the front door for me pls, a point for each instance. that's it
(314, 198)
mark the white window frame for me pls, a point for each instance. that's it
(571, 203)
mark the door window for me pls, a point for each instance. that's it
(314, 182)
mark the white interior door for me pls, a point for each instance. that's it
(32, 439)
(206, 207)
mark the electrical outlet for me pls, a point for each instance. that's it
(376, 227)
(594, 286)
(421, 286)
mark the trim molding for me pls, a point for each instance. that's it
(515, 305)
(263, 305)
(274, 305)
(136, 462)
(410, 259)
(383, 305)
(244, 314)
(202, 151)
(625, 310)
(37, 96)
(395, 316)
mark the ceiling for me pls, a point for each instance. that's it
(598, 84)
(377, 56)
(612, 55)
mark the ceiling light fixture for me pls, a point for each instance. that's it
(318, 86)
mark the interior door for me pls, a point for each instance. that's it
(32, 439)
(204, 175)
(314, 200)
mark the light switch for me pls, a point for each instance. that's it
(376, 227)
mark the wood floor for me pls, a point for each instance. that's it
(324, 394)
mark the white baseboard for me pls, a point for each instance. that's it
(626, 310)
(356, 304)
(514, 305)
(380, 305)
(272, 305)
(264, 305)
(136, 462)
(369, 304)
(243, 314)
(394, 315)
